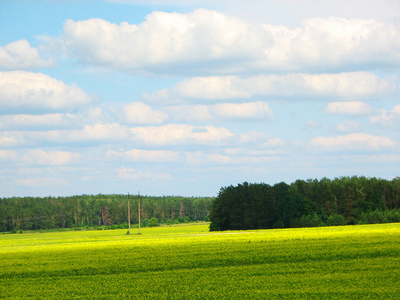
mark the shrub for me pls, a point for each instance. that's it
(336, 220)
(153, 222)
(394, 216)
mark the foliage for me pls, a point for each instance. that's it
(311, 203)
(188, 262)
(35, 213)
(335, 220)
(153, 222)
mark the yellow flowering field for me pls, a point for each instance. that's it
(189, 262)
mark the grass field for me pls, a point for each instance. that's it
(188, 262)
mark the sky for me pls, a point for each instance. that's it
(185, 97)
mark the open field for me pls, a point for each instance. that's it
(188, 262)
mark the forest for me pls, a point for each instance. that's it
(341, 201)
(303, 203)
(104, 211)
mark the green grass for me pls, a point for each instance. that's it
(188, 262)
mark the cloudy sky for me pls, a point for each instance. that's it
(184, 97)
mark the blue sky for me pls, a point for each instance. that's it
(185, 97)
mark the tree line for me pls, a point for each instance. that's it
(34, 213)
(305, 203)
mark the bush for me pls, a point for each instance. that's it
(336, 220)
(377, 217)
(394, 216)
(312, 220)
(153, 222)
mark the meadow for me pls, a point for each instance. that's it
(189, 262)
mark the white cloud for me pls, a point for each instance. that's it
(22, 91)
(41, 182)
(347, 126)
(97, 132)
(334, 43)
(39, 157)
(389, 120)
(292, 12)
(149, 155)
(9, 139)
(206, 41)
(352, 142)
(8, 155)
(89, 134)
(261, 140)
(343, 86)
(20, 55)
(135, 174)
(165, 40)
(140, 113)
(35, 122)
(52, 158)
(255, 110)
(310, 124)
(221, 112)
(348, 108)
(190, 113)
(177, 134)
(233, 157)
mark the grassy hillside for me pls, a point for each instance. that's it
(188, 262)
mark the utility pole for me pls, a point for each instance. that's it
(139, 210)
(129, 217)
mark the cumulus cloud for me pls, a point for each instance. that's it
(352, 142)
(52, 158)
(348, 108)
(97, 132)
(41, 182)
(260, 140)
(347, 126)
(178, 134)
(38, 122)
(334, 43)
(20, 55)
(389, 120)
(144, 155)
(89, 134)
(254, 110)
(22, 91)
(343, 86)
(7, 155)
(10, 139)
(222, 112)
(140, 113)
(311, 125)
(39, 157)
(136, 174)
(165, 40)
(205, 41)
(153, 155)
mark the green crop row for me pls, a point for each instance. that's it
(188, 262)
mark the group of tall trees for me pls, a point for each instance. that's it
(341, 201)
(32, 213)
(303, 203)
